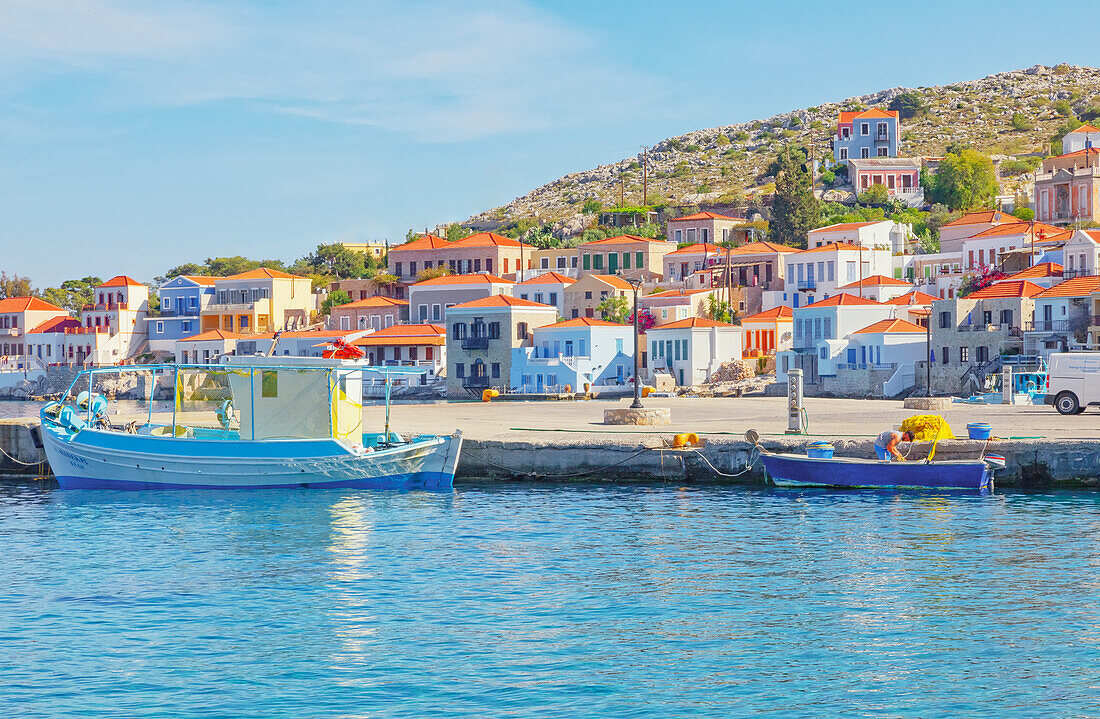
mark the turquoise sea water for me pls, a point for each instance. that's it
(548, 601)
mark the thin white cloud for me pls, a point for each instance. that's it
(435, 70)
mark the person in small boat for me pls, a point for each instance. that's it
(887, 444)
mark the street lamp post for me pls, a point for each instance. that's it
(637, 404)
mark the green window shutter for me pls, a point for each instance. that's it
(626, 260)
(639, 260)
(588, 262)
(597, 262)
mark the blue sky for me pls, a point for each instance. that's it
(138, 135)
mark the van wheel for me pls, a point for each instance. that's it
(1066, 403)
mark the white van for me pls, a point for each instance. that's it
(1073, 381)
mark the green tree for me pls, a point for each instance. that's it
(795, 210)
(431, 273)
(1024, 213)
(718, 310)
(334, 299)
(14, 286)
(187, 268)
(908, 104)
(591, 206)
(1021, 122)
(457, 232)
(72, 294)
(337, 260)
(874, 195)
(964, 181)
(1062, 130)
(614, 309)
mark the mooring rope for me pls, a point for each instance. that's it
(19, 461)
(754, 455)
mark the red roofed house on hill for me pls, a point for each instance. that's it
(1067, 187)
(706, 227)
(970, 334)
(481, 337)
(547, 288)
(429, 300)
(626, 255)
(372, 313)
(880, 234)
(584, 296)
(18, 316)
(481, 252)
(1081, 254)
(867, 133)
(819, 272)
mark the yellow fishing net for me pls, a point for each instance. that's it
(927, 427)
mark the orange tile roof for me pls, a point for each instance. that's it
(55, 324)
(833, 247)
(581, 322)
(615, 282)
(1078, 153)
(207, 280)
(307, 333)
(1007, 288)
(25, 304)
(778, 314)
(549, 278)
(1085, 128)
(476, 278)
(876, 281)
(690, 322)
(842, 226)
(421, 334)
(1074, 287)
(985, 218)
(1018, 228)
(706, 216)
(674, 293)
(699, 248)
(916, 297)
(1094, 234)
(890, 326)
(214, 335)
(753, 248)
(121, 281)
(619, 239)
(844, 299)
(846, 116)
(264, 273)
(376, 301)
(1043, 269)
(503, 301)
(487, 239)
(424, 242)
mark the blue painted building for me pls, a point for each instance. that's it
(182, 300)
(577, 352)
(862, 135)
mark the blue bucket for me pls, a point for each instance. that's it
(979, 430)
(819, 450)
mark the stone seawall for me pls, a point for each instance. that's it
(1031, 462)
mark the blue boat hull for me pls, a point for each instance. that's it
(790, 470)
(411, 481)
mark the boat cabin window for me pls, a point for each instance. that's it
(269, 382)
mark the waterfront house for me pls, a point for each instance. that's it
(372, 313)
(861, 134)
(18, 316)
(1081, 254)
(182, 300)
(114, 324)
(429, 300)
(953, 233)
(878, 360)
(675, 305)
(820, 332)
(481, 335)
(769, 331)
(260, 300)
(579, 354)
(481, 252)
(818, 272)
(419, 345)
(877, 287)
(628, 255)
(545, 288)
(1062, 316)
(913, 306)
(583, 296)
(206, 347)
(969, 334)
(1067, 188)
(877, 235)
(47, 343)
(692, 350)
(705, 227)
(899, 175)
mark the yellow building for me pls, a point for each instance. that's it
(371, 248)
(262, 300)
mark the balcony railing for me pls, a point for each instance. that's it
(13, 332)
(475, 343)
(105, 307)
(232, 307)
(807, 284)
(882, 137)
(1070, 274)
(1047, 326)
(476, 382)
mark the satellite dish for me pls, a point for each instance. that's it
(752, 437)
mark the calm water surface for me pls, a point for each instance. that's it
(547, 602)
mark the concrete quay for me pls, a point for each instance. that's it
(567, 441)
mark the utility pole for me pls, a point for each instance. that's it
(645, 177)
(637, 404)
(622, 189)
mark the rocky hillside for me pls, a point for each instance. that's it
(726, 163)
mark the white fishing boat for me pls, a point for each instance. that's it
(243, 427)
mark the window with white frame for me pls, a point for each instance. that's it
(864, 152)
(844, 153)
(865, 128)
